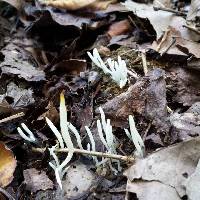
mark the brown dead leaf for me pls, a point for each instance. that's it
(119, 28)
(193, 183)
(194, 10)
(161, 20)
(36, 180)
(79, 4)
(78, 182)
(171, 166)
(147, 97)
(19, 97)
(15, 3)
(187, 124)
(173, 43)
(185, 85)
(17, 61)
(7, 165)
(51, 113)
(72, 66)
(152, 190)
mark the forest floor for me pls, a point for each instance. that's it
(99, 100)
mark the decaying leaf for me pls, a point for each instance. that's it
(7, 165)
(51, 113)
(188, 123)
(193, 183)
(161, 20)
(15, 3)
(173, 43)
(194, 10)
(152, 190)
(171, 166)
(18, 62)
(78, 4)
(19, 98)
(185, 85)
(78, 183)
(146, 97)
(36, 180)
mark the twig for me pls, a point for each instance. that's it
(179, 13)
(91, 153)
(170, 45)
(9, 196)
(21, 114)
(163, 40)
(192, 29)
(144, 63)
(147, 130)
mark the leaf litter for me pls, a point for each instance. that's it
(43, 53)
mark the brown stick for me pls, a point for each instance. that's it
(192, 29)
(91, 153)
(179, 13)
(21, 114)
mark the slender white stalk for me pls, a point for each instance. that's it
(100, 132)
(77, 135)
(63, 123)
(66, 161)
(56, 132)
(52, 153)
(30, 137)
(52, 165)
(134, 130)
(92, 143)
(136, 138)
(117, 69)
(58, 179)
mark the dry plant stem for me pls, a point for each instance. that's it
(144, 63)
(179, 13)
(163, 40)
(9, 196)
(21, 114)
(192, 29)
(91, 153)
(170, 45)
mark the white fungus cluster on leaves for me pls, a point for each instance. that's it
(117, 69)
(64, 140)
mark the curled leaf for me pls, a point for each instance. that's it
(7, 165)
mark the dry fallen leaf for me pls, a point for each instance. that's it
(161, 20)
(119, 28)
(152, 190)
(15, 3)
(193, 184)
(7, 165)
(78, 182)
(147, 97)
(194, 10)
(17, 62)
(172, 166)
(187, 123)
(20, 98)
(173, 43)
(36, 180)
(78, 4)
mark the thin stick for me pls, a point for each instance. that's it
(179, 13)
(192, 29)
(170, 45)
(21, 114)
(9, 196)
(163, 40)
(91, 153)
(144, 63)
